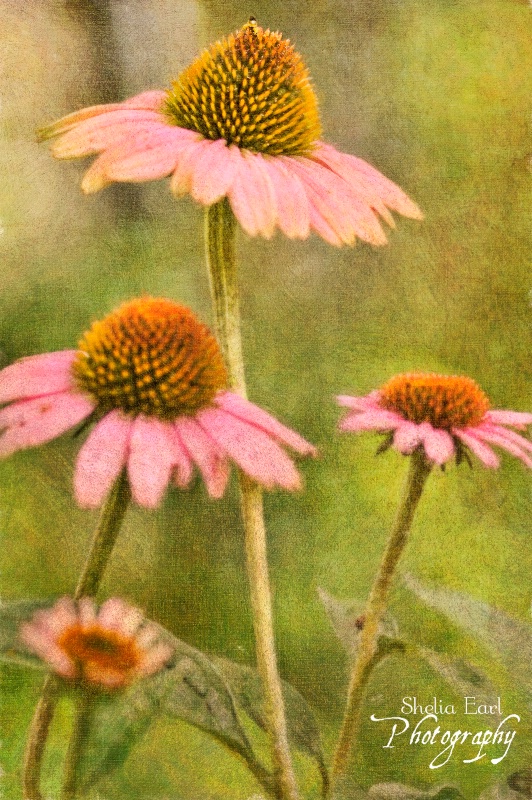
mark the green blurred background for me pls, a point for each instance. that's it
(437, 96)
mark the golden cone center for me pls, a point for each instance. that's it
(251, 89)
(95, 648)
(150, 356)
(443, 401)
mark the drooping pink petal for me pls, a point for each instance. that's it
(517, 419)
(36, 639)
(256, 453)
(115, 614)
(338, 162)
(189, 157)
(371, 420)
(512, 436)
(56, 619)
(98, 133)
(497, 437)
(363, 177)
(37, 375)
(334, 199)
(101, 459)
(29, 423)
(252, 196)
(155, 659)
(146, 101)
(211, 460)
(481, 450)
(407, 437)
(87, 611)
(364, 403)
(147, 154)
(184, 466)
(213, 172)
(152, 456)
(438, 444)
(249, 412)
(293, 212)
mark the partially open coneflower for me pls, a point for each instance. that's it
(446, 415)
(240, 122)
(151, 377)
(107, 648)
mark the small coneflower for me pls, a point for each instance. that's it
(240, 122)
(152, 378)
(107, 648)
(446, 415)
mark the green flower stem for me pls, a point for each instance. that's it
(221, 261)
(376, 606)
(88, 584)
(78, 741)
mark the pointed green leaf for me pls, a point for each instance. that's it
(509, 638)
(303, 731)
(462, 677)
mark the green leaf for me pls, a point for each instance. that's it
(303, 731)
(191, 688)
(12, 616)
(347, 619)
(509, 638)
(461, 676)
(398, 791)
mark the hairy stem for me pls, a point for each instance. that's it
(221, 261)
(88, 584)
(78, 740)
(376, 606)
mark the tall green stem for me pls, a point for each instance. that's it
(88, 584)
(221, 261)
(376, 606)
(78, 740)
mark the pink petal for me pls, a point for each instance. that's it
(338, 205)
(248, 412)
(117, 615)
(499, 438)
(155, 659)
(149, 155)
(510, 435)
(252, 195)
(365, 178)
(28, 423)
(37, 641)
(371, 420)
(518, 419)
(57, 619)
(152, 456)
(37, 375)
(439, 445)
(190, 155)
(481, 450)
(258, 455)
(98, 133)
(293, 212)
(183, 464)
(211, 461)
(87, 611)
(146, 101)
(407, 437)
(214, 172)
(101, 459)
(365, 403)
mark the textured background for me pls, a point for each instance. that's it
(437, 96)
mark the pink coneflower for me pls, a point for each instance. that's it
(109, 648)
(152, 377)
(446, 415)
(240, 122)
